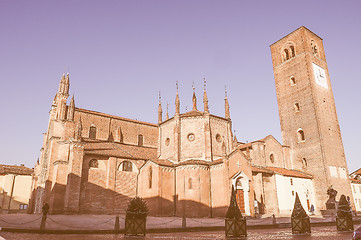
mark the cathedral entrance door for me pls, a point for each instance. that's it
(240, 200)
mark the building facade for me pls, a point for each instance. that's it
(186, 164)
(15, 188)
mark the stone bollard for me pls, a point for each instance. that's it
(344, 220)
(116, 225)
(300, 221)
(184, 221)
(274, 222)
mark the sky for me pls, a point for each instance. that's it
(120, 54)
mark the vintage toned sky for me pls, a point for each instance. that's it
(121, 53)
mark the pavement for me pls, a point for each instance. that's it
(105, 223)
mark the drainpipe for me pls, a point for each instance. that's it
(12, 192)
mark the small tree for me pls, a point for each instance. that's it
(137, 207)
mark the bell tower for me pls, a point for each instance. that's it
(307, 112)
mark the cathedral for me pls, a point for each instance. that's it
(187, 164)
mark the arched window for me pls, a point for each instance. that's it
(287, 56)
(304, 162)
(272, 158)
(150, 177)
(297, 106)
(292, 51)
(127, 166)
(292, 81)
(314, 47)
(93, 163)
(120, 135)
(301, 135)
(140, 140)
(190, 184)
(92, 132)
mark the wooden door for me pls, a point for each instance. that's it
(240, 200)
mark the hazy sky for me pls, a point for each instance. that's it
(121, 53)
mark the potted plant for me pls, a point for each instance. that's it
(300, 221)
(235, 223)
(135, 218)
(344, 215)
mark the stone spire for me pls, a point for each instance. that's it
(194, 99)
(67, 84)
(205, 98)
(177, 102)
(226, 105)
(71, 109)
(61, 84)
(64, 85)
(167, 115)
(160, 112)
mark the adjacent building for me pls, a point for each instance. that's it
(15, 188)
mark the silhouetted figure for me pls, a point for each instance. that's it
(312, 209)
(45, 211)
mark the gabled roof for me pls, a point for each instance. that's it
(193, 113)
(261, 169)
(247, 145)
(13, 169)
(357, 172)
(119, 150)
(114, 117)
(290, 173)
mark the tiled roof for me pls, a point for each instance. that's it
(261, 169)
(13, 169)
(200, 162)
(193, 113)
(357, 172)
(112, 116)
(290, 173)
(355, 181)
(119, 150)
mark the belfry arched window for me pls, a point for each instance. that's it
(288, 51)
(292, 51)
(293, 81)
(301, 135)
(314, 47)
(92, 132)
(287, 55)
(297, 107)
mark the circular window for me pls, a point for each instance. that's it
(272, 158)
(167, 141)
(218, 138)
(191, 137)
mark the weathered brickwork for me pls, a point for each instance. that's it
(93, 162)
(299, 81)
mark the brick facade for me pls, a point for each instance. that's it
(93, 162)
